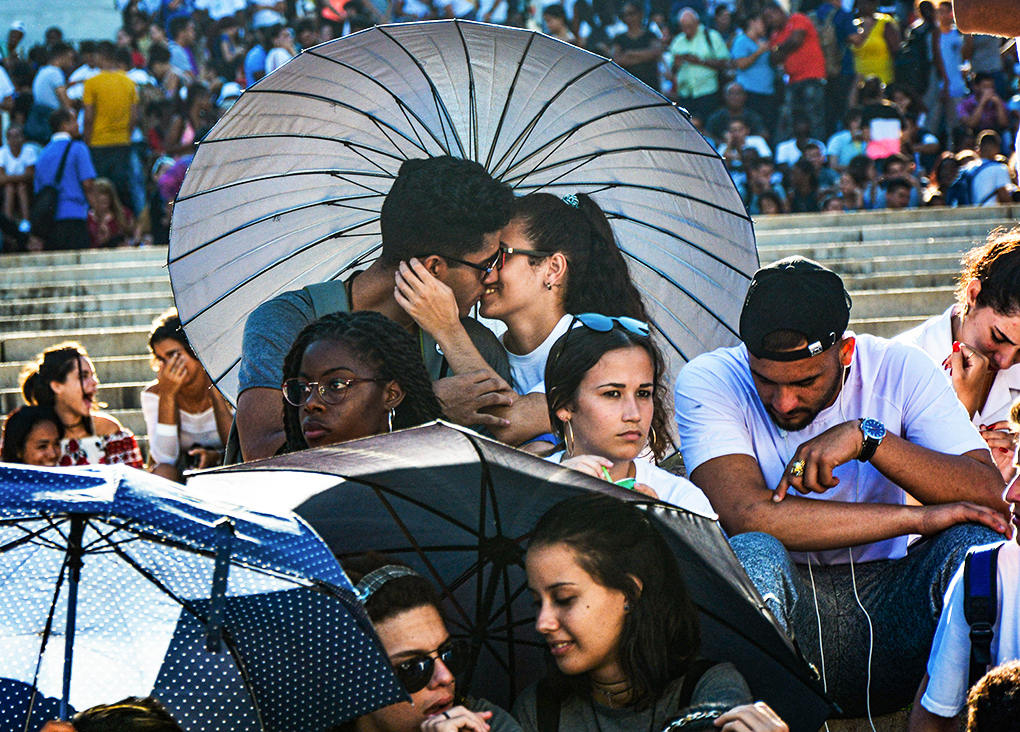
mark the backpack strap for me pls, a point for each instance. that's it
(980, 605)
(329, 297)
(694, 673)
(547, 706)
(63, 161)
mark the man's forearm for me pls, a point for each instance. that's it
(994, 17)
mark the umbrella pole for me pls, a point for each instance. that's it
(74, 564)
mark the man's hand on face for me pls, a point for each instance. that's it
(820, 456)
(464, 397)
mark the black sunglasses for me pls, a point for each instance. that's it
(416, 673)
(602, 324)
(486, 267)
(299, 391)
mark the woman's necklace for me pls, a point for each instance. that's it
(610, 691)
(595, 711)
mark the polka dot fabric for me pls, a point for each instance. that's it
(297, 651)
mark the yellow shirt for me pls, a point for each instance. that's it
(111, 94)
(872, 58)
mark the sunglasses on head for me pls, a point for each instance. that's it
(298, 391)
(416, 673)
(602, 324)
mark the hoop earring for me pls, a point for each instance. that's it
(389, 418)
(568, 437)
(651, 435)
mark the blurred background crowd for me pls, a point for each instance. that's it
(816, 107)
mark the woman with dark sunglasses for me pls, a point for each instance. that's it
(557, 256)
(404, 609)
(353, 375)
(605, 401)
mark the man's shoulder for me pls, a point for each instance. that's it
(722, 364)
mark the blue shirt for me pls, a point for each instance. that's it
(254, 62)
(843, 23)
(759, 77)
(71, 203)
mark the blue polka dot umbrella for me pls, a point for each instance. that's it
(116, 583)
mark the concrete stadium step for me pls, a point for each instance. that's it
(134, 421)
(899, 280)
(884, 218)
(100, 342)
(95, 289)
(48, 274)
(943, 262)
(124, 395)
(85, 257)
(79, 321)
(111, 369)
(887, 327)
(935, 246)
(32, 306)
(903, 303)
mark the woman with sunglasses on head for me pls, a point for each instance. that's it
(622, 630)
(404, 609)
(558, 256)
(605, 401)
(62, 377)
(353, 375)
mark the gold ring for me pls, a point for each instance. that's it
(797, 469)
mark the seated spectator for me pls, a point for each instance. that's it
(734, 107)
(855, 424)
(847, 143)
(789, 151)
(62, 377)
(802, 187)
(897, 193)
(736, 141)
(983, 109)
(407, 615)
(186, 417)
(555, 19)
(993, 704)
(133, 714)
(192, 123)
(353, 375)
(898, 167)
(754, 72)
(282, 51)
(31, 437)
(600, 571)
(638, 50)
(182, 55)
(943, 175)
(919, 143)
(833, 204)
(605, 429)
(851, 192)
(255, 58)
(169, 81)
(762, 179)
(864, 173)
(942, 695)
(770, 203)
(109, 222)
(698, 55)
(17, 159)
(988, 177)
(827, 177)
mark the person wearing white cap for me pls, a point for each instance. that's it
(15, 34)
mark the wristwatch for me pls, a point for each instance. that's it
(873, 431)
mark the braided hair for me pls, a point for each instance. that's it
(53, 364)
(380, 343)
(598, 280)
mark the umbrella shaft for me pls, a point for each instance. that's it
(74, 563)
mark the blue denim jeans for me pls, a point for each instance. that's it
(903, 598)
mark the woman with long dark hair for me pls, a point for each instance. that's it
(63, 378)
(32, 437)
(559, 256)
(622, 630)
(353, 375)
(607, 405)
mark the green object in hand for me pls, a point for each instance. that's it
(627, 483)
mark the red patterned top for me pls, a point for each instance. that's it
(119, 447)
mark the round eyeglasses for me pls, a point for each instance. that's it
(299, 391)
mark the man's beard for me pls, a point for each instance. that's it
(803, 416)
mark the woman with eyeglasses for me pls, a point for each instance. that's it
(557, 256)
(353, 375)
(622, 631)
(405, 612)
(605, 401)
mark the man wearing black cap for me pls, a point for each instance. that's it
(855, 424)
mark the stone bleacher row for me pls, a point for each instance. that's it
(899, 266)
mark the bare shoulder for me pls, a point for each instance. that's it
(106, 424)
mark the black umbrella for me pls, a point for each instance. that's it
(459, 508)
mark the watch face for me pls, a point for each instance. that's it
(873, 428)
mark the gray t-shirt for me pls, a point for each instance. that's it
(501, 720)
(721, 684)
(273, 326)
(45, 84)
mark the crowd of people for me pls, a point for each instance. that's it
(825, 108)
(848, 470)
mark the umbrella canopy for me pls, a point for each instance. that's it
(114, 582)
(286, 190)
(459, 508)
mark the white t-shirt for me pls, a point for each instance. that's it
(949, 662)
(6, 85)
(756, 142)
(276, 58)
(166, 441)
(670, 488)
(528, 371)
(17, 165)
(788, 153)
(989, 180)
(719, 412)
(935, 337)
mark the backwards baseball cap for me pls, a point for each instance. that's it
(799, 295)
(19, 27)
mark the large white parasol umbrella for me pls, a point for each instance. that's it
(286, 190)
